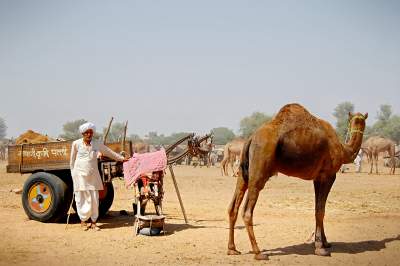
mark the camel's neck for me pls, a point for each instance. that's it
(351, 148)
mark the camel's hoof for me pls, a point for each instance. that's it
(233, 252)
(261, 256)
(322, 252)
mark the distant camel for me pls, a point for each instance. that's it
(232, 151)
(298, 144)
(375, 145)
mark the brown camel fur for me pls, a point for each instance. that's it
(232, 150)
(375, 145)
(297, 144)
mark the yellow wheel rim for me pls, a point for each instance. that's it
(39, 197)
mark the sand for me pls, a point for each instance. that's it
(362, 222)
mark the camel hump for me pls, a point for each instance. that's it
(293, 116)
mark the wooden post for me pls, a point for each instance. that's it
(108, 131)
(22, 158)
(124, 138)
(177, 193)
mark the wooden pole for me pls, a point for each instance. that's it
(177, 193)
(124, 138)
(108, 131)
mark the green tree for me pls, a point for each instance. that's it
(174, 137)
(392, 129)
(387, 125)
(250, 123)
(384, 113)
(3, 128)
(154, 138)
(134, 137)
(383, 117)
(71, 129)
(341, 113)
(222, 135)
(116, 132)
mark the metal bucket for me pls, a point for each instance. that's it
(149, 225)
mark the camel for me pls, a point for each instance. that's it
(375, 145)
(232, 151)
(297, 144)
(204, 150)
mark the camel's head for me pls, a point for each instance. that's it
(357, 122)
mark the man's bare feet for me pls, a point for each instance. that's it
(95, 227)
(85, 226)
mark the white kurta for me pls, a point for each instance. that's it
(83, 164)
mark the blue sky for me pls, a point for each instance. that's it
(171, 66)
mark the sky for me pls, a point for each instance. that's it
(173, 66)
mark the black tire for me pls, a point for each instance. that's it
(106, 201)
(45, 197)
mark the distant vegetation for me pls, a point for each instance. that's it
(386, 125)
(3, 128)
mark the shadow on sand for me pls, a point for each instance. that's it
(116, 219)
(337, 247)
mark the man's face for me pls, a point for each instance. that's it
(88, 135)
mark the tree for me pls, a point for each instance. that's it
(342, 116)
(384, 113)
(392, 129)
(387, 125)
(250, 123)
(383, 117)
(116, 132)
(134, 138)
(3, 128)
(71, 129)
(222, 135)
(174, 137)
(154, 138)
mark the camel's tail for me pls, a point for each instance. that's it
(244, 161)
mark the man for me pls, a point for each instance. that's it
(85, 174)
(358, 161)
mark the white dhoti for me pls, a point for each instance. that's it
(86, 177)
(87, 204)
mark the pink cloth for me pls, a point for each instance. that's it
(144, 163)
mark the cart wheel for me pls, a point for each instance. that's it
(106, 198)
(44, 197)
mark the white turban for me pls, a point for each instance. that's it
(85, 127)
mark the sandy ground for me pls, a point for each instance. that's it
(362, 221)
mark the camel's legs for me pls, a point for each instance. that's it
(376, 162)
(393, 161)
(372, 163)
(322, 189)
(250, 203)
(233, 210)
(223, 163)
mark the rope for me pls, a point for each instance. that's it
(350, 130)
